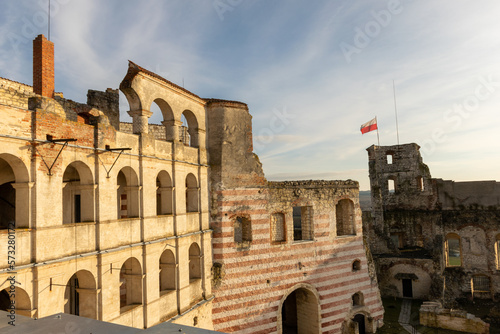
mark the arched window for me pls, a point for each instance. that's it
(164, 203)
(189, 129)
(278, 230)
(453, 250)
(356, 265)
(80, 295)
(167, 271)
(357, 299)
(130, 284)
(21, 301)
(78, 194)
(194, 262)
(14, 192)
(168, 117)
(191, 193)
(345, 217)
(127, 193)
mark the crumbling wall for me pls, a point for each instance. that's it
(412, 223)
(432, 314)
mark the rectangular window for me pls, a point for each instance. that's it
(389, 159)
(480, 284)
(391, 186)
(302, 223)
(453, 252)
(278, 231)
(78, 209)
(397, 240)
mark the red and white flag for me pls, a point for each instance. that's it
(369, 126)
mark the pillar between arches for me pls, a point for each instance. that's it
(140, 120)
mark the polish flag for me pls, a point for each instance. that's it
(369, 126)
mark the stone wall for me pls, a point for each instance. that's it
(433, 315)
(255, 283)
(410, 227)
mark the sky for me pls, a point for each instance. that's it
(310, 72)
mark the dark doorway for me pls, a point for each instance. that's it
(5, 301)
(289, 315)
(407, 288)
(360, 319)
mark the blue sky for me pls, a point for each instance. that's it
(311, 72)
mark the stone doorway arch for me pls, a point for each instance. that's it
(299, 311)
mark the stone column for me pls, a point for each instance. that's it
(140, 120)
(172, 130)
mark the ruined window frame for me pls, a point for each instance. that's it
(306, 232)
(453, 236)
(272, 228)
(242, 231)
(340, 224)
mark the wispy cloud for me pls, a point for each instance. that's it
(275, 55)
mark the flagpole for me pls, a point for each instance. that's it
(378, 138)
(395, 110)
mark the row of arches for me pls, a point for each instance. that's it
(78, 191)
(185, 128)
(80, 292)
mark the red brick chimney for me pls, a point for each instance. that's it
(43, 66)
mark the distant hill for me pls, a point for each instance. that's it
(365, 200)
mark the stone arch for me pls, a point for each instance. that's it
(130, 284)
(133, 99)
(80, 295)
(191, 193)
(299, 310)
(164, 194)
(127, 193)
(194, 261)
(359, 321)
(167, 271)
(166, 110)
(77, 193)
(189, 133)
(14, 192)
(21, 301)
(345, 217)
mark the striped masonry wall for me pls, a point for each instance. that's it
(256, 280)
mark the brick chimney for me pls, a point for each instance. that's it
(43, 66)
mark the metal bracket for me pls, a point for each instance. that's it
(109, 149)
(50, 139)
